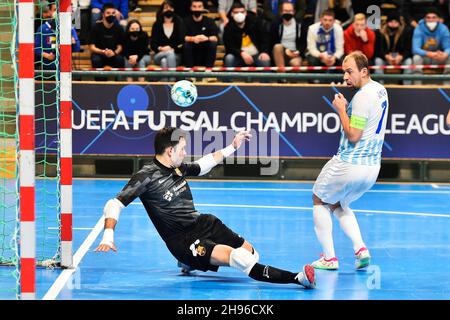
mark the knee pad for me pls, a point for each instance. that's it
(243, 260)
(256, 254)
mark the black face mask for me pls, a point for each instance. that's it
(168, 14)
(287, 16)
(110, 19)
(197, 14)
(134, 33)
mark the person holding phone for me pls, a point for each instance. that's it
(288, 38)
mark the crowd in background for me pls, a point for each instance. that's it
(257, 33)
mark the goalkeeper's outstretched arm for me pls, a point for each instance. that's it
(211, 160)
(111, 212)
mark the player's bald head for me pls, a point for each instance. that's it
(359, 59)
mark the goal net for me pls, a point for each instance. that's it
(35, 142)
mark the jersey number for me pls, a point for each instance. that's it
(384, 107)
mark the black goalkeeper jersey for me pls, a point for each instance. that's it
(166, 196)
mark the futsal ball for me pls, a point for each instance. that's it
(183, 93)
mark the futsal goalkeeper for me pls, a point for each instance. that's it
(200, 241)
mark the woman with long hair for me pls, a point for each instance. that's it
(167, 36)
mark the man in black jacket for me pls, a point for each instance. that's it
(287, 38)
(244, 40)
(394, 45)
(201, 38)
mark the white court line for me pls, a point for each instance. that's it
(60, 282)
(421, 214)
(310, 190)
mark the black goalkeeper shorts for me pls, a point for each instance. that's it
(195, 246)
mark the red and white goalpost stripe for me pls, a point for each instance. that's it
(65, 49)
(26, 150)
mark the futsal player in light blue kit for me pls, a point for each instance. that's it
(355, 167)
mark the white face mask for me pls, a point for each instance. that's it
(239, 17)
(432, 25)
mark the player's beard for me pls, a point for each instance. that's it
(176, 161)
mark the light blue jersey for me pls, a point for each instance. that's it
(371, 103)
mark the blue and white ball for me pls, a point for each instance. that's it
(183, 93)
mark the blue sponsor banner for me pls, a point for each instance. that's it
(123, 118)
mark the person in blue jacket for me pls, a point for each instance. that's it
(431, 42)
(121, 10)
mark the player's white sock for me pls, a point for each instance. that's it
(350, 226)
(323, 225)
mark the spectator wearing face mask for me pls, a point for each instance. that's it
(244, 40)
(121, 10)
(106, 40)
(431, 42)
(394, 45)
(136, 47)
(167, 36)
(287, 38)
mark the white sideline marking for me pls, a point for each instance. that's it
(421, 214)
(310, 190)
(60, 282)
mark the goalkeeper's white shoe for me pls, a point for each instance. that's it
(307, 278)
(362, 258)
(326, 264)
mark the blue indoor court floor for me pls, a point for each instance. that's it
(405, 226)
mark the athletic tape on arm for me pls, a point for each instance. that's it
(208, 162)
(112, 209)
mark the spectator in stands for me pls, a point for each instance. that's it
(325, 42)
(245, 42)
(390, 7)
(167, 36)
(394, 45)
(271, 9)
(44, 11)
(343, 12)
(45, 39)
(121, 10)
(183, 7)
(431, 42)
(106, 40)
(415, 10)
(136, 47)
(359, 37)
(310, 14)
(287, 38)
(76, 45)
(201, 38)
(225, 9)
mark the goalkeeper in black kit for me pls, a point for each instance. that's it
(200, 241)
